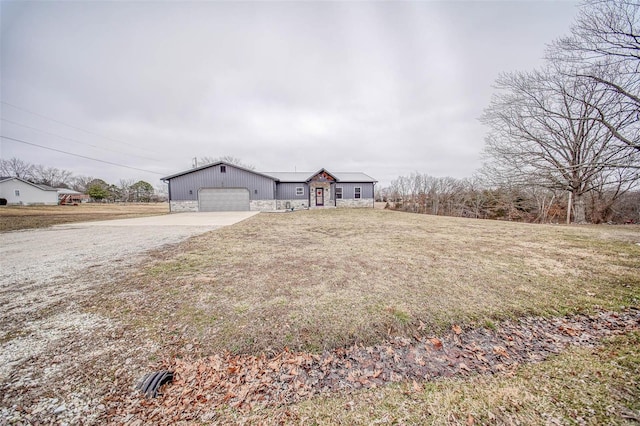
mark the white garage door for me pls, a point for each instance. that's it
(223, 199)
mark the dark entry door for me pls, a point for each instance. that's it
(319, 196)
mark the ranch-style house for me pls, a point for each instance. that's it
(15, 190)
(222, 186)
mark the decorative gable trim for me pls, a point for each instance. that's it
(322, 176)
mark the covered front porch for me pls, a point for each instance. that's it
(322, 190)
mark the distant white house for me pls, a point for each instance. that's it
(19, 191)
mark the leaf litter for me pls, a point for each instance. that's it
(247, 382)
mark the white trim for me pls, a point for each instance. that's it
(300, 192)
(341, 192)
(357, 190)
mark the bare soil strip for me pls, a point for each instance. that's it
(245, 382)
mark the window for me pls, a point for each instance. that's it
(338, 193)
(223, 169)
(191, 192)
(357, 192)
(299, 190)
(17, 192)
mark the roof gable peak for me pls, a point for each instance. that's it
(322, 175)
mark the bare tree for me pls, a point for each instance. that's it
(15, 167)
(81, 183)
(604, 46)
(227, 159)
(51, 176)
(608, 187)
(543, 133)
(124, 188)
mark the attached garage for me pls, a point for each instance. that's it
(223, 199)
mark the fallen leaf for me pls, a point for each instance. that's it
(481, 357)
(436, 343)
(417, 387)
(470, 420)
(499, 350)
(570, 331)
(456, 329)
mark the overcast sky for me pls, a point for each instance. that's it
(384, 88)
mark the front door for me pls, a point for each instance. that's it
(319, 196)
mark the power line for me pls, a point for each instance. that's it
(70, 125)
(71, 139)
(78, 155)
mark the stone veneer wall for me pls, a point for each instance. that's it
(183, 206)
(296, 204)
(328, 197)
(361, 202)
(262, 205)
(268, 205)
(192, 206)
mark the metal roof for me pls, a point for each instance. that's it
(305, 176)
(206, 166)
(286, 176)
(67, 191)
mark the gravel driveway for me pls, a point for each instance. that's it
(44, 273)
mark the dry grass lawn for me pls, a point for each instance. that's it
(315, 280)
(13, 218)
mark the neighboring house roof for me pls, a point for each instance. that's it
(68, 191)
(41, 187)
(46, 187)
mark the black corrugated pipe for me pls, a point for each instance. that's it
(150, 383)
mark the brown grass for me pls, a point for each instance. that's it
(315, 280)
(13, 218)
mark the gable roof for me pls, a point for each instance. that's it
(300, 177)
(217, 163)
(344, 177)
(39, 186)
(322, 173)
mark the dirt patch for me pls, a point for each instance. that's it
(13, 218)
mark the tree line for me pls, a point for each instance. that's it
(563, 139)
(474, 198)
(126, 190)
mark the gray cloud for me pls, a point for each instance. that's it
(384, 88)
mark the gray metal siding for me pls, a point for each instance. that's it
(348, 190)
(287, 191)
(260, 187)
